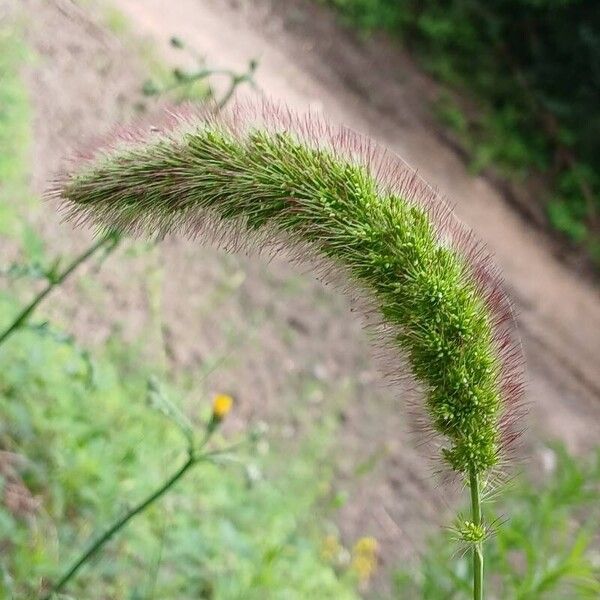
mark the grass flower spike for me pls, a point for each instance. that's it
(259, 175)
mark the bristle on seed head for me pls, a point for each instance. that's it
(260, 175)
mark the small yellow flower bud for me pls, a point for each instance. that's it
(222, 404)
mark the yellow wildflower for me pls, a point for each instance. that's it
(222, 404)
(366, 545)
(364, 558)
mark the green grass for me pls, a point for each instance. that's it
(14, 114)
(15, 138)
(546, 543)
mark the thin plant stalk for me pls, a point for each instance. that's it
(474, 484)
(236, 80)
(194, 456)
(99, 543)
(53, 282)
(186, 79)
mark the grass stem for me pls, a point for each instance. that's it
(53, 282)
(477, 546)
(98, 543)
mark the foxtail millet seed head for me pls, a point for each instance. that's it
(261, 175)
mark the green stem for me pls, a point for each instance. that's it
(477, 546)
(235, 80)
(97, 544)
(52, 283)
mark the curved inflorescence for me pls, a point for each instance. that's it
(261, 173)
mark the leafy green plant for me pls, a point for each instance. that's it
(196, 454)
(267, 175)
(73, 452)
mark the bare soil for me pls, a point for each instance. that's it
(269, 334)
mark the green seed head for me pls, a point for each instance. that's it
(269, 176)
(470, 533)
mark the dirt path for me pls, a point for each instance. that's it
(303, 347)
